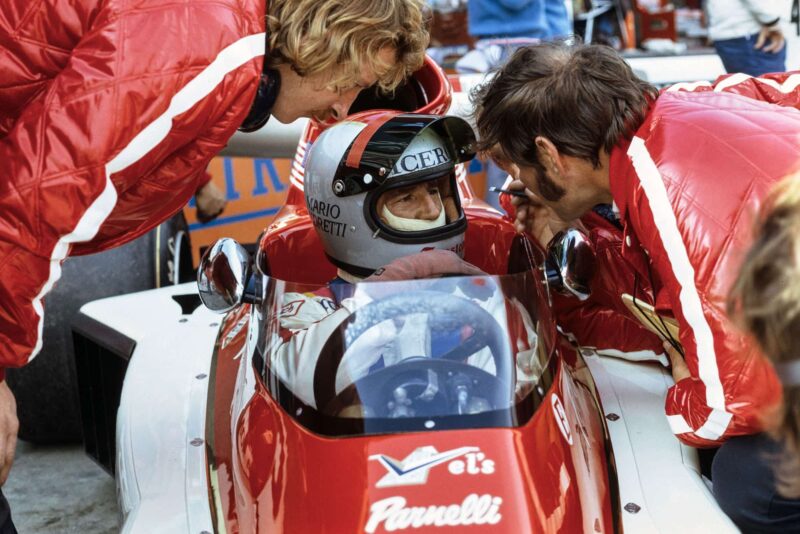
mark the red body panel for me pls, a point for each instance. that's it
(272, 475)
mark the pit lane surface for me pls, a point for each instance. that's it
(59, 490)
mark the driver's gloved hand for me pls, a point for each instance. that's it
(365, 351)
(414, 338)
(428, 264)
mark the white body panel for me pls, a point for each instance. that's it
(656, 472)
(667, 70)
(161, 465)
(274, 140)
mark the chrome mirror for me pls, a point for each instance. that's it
(223, 275)
(570, 263)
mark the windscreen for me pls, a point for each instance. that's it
(457, 352)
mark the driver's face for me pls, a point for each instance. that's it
(419, 201)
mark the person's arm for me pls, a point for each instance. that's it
(766, 12)
(306, 322)
(731, 385)
(779, 88)
(91, 134)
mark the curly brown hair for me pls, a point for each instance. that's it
(341, 36)
(765, 301)
(583, 98)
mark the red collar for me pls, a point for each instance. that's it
(618, 169)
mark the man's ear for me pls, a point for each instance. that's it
(549, 155)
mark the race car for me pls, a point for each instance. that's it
(509, 428)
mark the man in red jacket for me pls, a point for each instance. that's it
(110, 112)
(682, 173)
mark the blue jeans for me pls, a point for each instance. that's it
(738, 55)
(745, 486)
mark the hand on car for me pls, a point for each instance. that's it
(9, 425)
(679, 368)
(770, 39)
(210, 202)
(534, 217)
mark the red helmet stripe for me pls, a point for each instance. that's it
(364, 137)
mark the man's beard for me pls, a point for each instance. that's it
(549, 190)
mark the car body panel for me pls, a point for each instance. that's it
(161, 465)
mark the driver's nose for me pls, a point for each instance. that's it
(430, 206)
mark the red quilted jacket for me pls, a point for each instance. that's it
(109, 114)
(687, 188)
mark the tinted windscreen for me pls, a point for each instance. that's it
(379, 357)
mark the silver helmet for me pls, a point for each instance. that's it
(352, 164)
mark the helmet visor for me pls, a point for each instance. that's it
(373, 155)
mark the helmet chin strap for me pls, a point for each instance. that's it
(413, 225)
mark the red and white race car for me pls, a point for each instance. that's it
(504, 427)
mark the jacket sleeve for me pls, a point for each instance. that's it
(731, 385)
(93, 133)
(777, 88)
(766, 12)
(603, 322)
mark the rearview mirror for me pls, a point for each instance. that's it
(223, 275)
(570, 263)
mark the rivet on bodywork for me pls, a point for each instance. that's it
(196, 442)
(183, 320)
(201, 376)
(632, 508)
(213, 325)
(612, 417)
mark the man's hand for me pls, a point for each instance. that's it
(210, 202)
(679, 368)
(9, 425)
(770, 39)
(533, 217)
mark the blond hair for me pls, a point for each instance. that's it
(765, 301)
(340, 37)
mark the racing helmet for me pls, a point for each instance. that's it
(353, 164)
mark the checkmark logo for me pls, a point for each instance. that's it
(414, 469)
